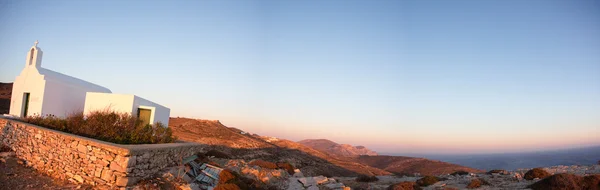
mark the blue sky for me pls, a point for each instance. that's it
(409, 76)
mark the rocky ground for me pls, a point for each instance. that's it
(15, 175)
(497, 181)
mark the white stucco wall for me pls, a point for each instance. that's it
(161, 113)
(125, 103)
(61, 95)
(28, 81)
(50, 92)
(122, 103)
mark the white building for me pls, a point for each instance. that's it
(39, 91)
(127, 103)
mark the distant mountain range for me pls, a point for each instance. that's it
(512, 161)
(313, 157)
(336, 149)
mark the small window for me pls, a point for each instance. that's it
(31, 56)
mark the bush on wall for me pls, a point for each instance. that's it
(120, 128)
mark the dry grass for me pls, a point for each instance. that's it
(120, 128)
(286, 166)
(263, 164)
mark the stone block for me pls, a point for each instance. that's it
(78, 178)
(126, 181)
(107, 175)
(116, 167)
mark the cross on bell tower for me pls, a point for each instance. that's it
(34, 57)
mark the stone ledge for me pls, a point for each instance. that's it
(122, 149)
(86, 160)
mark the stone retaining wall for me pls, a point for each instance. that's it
(84, 160)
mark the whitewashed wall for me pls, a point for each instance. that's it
(95, 101)
(50, 92)
(161, 113)
(28, 81)
(125, 103)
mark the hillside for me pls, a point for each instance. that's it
(336, 149)
(5, 93)
(408, 165)
(212, 132)
(246, 146)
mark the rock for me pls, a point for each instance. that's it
(320, 179)
(334, 185)
(407, 185)
(314, 187)
(475, 183)
(78, 178)
(536, 173)
(114, 166)
(562, 181)
(298, 173)
(427, 181)
(312, 181)
(6, 154)
(294, 184)
(126, 181)
(518, 177)
(187, 178)
(107, 175)
(82, 148)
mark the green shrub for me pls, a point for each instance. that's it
(120, 128)
(366, 178)
(263, 164)
(427, 181)
(536, 173)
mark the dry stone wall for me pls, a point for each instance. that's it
(84, 160)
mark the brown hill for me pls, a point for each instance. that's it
(408, 165)
(336, 149)
(245, 146)
(212, 132)
(5, 93)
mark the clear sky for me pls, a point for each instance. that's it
(396, 76)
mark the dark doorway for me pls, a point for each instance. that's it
(25, 104)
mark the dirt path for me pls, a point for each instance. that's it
(15, 176)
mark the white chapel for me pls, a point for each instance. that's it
(40, 91)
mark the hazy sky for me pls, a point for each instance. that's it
(396, 76)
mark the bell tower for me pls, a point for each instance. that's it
(34, 57)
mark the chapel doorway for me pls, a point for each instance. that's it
(25, 104)
(144, 116)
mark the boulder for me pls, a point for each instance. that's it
(406, 185)
(536, 173)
